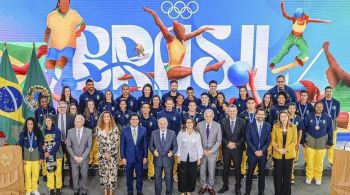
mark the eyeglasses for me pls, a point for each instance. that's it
(73, 108)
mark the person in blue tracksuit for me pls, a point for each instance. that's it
(108, 103)
(90, 94)
(303, 107)
(173, 93)
(151, 124)
(206, 105)
(192, 113)
(156, 106)
(282, 105)
(331, 107)
(249, 114)
(67, 97)
(130, 100)
(281, 86)
(317, 138)
(213, 93)
(43, 110)
(123, 114)
(241, 101)
(147, 95)
(179, 105)
(191, 97)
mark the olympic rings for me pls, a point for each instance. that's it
(179, 9)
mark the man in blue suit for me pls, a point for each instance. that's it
(133, 151)
(258, 138)
(163, 146)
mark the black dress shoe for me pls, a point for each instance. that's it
(238, 192)
(52, 192)
(58, 192)
(247, 193)
(139, 193)
(130, 193)
(223, 190)
(84, 194)
(261, 193)
(76, 193)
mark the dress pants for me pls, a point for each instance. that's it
(281, 176)
(187, 175)
(252, 162)
(208, 165)
(168, 179)
(130, 169)
(82, 168)
(234, 155)
(67, 157)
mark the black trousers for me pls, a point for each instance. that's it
(65, 151)
(282, 174)
(187, 176)
(252, 162)
(234, 155)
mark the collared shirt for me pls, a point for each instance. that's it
(161, 134)
(136, 132)
(206, 125)
(189, 145)
(79, 133)
(259, 125)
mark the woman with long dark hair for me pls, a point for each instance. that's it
(123, 114)
(241, 101)
(156, 106)
(189, 154)
(91, 116)
(108, 103)
(53, 152)
(147, 95)
(31, 140)
(66, 96)
(266, 104)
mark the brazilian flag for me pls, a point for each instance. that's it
(11, 101)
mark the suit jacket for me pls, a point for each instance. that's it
(128, 149)
(81, 149)
(252, 138)
(170, 145)
(215, 136)
(69, 121)
(291, 141)
(238, 135)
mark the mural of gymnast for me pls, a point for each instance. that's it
(176, 49)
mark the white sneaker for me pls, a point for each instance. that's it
(308, 181)
(318, 182)
(36, 192)
(28, 193)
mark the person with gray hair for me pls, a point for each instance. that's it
(79, 141)
(211, 137)
(64, 121)
(163, 146)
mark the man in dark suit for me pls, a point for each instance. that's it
(163, 146)
(258, 138)
(133, 151)
(233, 136)
(64, 122)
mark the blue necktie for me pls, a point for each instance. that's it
(259, 132)
(208, 126)
(163, 139)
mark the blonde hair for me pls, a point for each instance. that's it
(101, 125)
(279, 123)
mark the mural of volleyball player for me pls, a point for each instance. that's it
(300, 21)
(64, 25)
(177, 49)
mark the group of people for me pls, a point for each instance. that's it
(173, 136)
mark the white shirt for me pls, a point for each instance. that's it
(161, 133)
(189, 144)
(79, 131)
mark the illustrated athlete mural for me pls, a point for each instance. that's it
(237, 43)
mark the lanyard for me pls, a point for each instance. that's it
(31, 138)
(293, 120)
(302, 112)
(329, 108)
(251, 117)
(317, 123)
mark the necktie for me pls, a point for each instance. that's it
(134, 137)
(232, 126)
(259, 131)
(63, 128)
(163, 139)
(208, 126)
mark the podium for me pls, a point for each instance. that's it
(11, 170)
(340, 181)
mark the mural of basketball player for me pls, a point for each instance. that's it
(177, 49)
(64, 25)
(300, 21)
